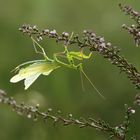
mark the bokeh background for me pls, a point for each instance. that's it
(62, 89)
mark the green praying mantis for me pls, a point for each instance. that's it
(31, 70)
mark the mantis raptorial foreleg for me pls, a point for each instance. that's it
(42, 49)
(65, 52)
(36, 43)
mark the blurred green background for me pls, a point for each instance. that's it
(62, 89)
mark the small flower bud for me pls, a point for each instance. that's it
(133, 111)
(133, 26)
(53, 32)
(138, 34)
(70, 115)
(130, 110)
(101, 40)
(65, 34)
(39, 38)
(93, 34)
(108, 44)
(49, 109)
(124, 26)
(34, 27)
(45, 31)
(135, 13)
(85, 31)
(2, 93)
(29, 116)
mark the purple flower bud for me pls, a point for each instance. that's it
(102, 45)
(53, 32)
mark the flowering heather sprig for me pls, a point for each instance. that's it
(133, 30)
(33, 30)
(137, 100)
(93, 42)
(128, 10)
(33, 112)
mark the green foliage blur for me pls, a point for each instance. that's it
(61, 90)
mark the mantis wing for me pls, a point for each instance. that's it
(29, 80)
(33, 71)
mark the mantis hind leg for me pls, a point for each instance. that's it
(82, 71)
(82, 82)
